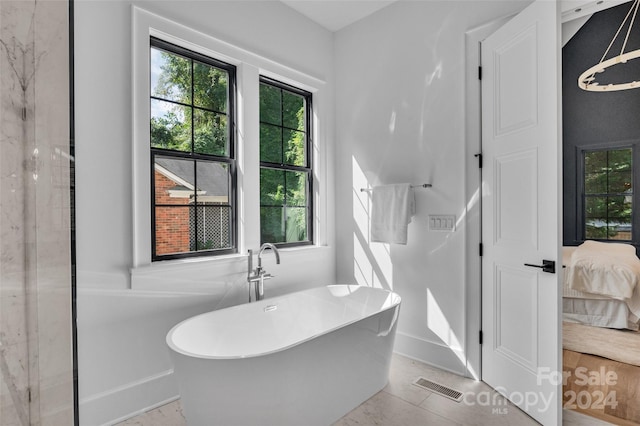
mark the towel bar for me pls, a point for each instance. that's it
(424, 185)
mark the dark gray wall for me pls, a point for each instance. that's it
(595, 119)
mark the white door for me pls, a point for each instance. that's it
(520, 211)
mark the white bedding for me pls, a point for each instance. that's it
(600, 284)
(609, 313)
(606, 269)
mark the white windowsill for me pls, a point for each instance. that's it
(157, 275)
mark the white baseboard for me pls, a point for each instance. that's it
(432, 353)
(123, 402)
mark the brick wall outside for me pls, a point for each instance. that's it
(172, 223)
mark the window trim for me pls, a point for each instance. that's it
(307, 168)
(231, 160)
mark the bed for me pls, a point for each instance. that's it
(602, 285)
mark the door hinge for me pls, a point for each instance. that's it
(479, 157)
(29, 394)
(479, 73)
(480, 249)
(480, 336)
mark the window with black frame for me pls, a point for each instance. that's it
(608, 194)
(193, 173)
(285, 164)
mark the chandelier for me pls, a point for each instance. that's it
(587, 80)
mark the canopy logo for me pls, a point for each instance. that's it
(498, 399)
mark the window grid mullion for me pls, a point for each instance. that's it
(284, 204)
(276, 125)
(192, 156)
(607, 198)
(191, 105)
(195, 163)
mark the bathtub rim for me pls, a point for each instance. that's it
(173, 347)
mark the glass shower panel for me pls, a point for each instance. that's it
(36, 369)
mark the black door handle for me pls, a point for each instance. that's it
(547, 266)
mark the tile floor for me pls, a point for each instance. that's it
(402, 403)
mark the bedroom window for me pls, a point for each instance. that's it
(608, 194)
(285, 164)
(192, 153)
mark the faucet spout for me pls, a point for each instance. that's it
(265, 246)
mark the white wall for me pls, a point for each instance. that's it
(400, 117)
(399, 83)
(131, 374)
(104, 88)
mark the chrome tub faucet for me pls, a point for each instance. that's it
(258, 275)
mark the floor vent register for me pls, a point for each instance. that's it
(438, 388)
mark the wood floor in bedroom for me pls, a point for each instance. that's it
(602, 388)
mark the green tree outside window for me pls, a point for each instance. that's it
(608, 194)
(191, 149)
(285, 172)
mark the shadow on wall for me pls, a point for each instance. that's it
(373, 266)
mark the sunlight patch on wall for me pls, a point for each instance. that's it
(372, 261)
(392, 122)
(362, 268)
(438, 323)
(360, 200)
(382, 256)
(369, 270)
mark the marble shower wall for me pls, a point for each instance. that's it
(36, 368)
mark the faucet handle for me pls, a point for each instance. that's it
(249, 264)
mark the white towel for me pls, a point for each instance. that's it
(392, 208)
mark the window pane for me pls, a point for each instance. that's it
(293, 114)
(270, 143)
(595, 207)
(595, 161)
(596, 229)
(619, 160)
(272, 225)
(617, 207)
(270, 104)
(272, 184)
(172, 230)
(210, 87)
(620, 182)
(213, 183)
(173, 181)
(170, 76)
(210, 227)
(210, 133)
(170, 126)
(295, 144)
(595, 183)
(296, 184)
(296, 224)
(620, 229)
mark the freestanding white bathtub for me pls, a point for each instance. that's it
(305, 358)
